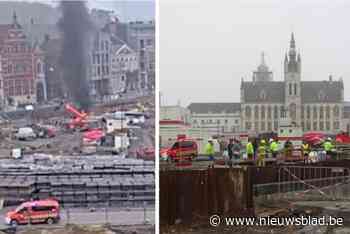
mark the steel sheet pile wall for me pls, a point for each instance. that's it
(193, 195)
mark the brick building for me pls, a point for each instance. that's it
(22, 78)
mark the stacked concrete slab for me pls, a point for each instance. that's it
(90, 181)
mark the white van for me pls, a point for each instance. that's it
(26, 133)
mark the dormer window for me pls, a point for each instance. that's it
(263, 95)
(321, 95)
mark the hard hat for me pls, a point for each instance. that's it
(329, 139)
(263, 142)
(271, 140)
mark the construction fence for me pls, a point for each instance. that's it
(193, 195)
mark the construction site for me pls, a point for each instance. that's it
(104, 158)
(195, 187)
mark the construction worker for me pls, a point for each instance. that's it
(250, 149)
(274, 148)
(288, 149)
(261, 153)
(328, 146)
(236, 149)
(305, 151)
(230, 149)
(209, 149)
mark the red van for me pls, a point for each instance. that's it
(41, 211)
(182, 149)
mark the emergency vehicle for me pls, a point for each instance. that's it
(182, 149)
(40, 211)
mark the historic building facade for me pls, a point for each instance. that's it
(216, 118)
(313, 105)
(22, 67)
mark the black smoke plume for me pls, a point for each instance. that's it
(75, 26)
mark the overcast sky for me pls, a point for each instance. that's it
(127, 10)
(206, 47)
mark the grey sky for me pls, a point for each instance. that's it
(207, 46)
(127, 10)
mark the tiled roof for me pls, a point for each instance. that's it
(274, 91)
(202, 108)
(263, 91)
(312, 91)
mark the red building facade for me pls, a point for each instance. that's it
(22, 77)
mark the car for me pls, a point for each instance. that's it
(25, 133)
(182, 149)
(39, 211)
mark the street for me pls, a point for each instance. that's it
(114, 216)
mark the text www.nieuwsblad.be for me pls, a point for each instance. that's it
(216, 220)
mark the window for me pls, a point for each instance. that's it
(303, 126)
(321, 113)
(149, 42)
(195, 121)
(321, 126)
(269, 126)
(263, 126)
(275, 125)
(302, 112)
(328, 126)
(42, 208)
(269, 112)
(98, 59)
(263, 95)
(290, 89)
(218, 121)
(142, 44)
(202, 121)
(98, 71)
(248, 112)
(38, 67)
(308, 112)
(142, 65)
(336, 111)
(314, 126)
(263, 112)
(256, 112)
(328, 112)
(308, 126)
(256, 126)
(236, 121)
(275, 112)
(315, 112)
(282, 111)
(295, 89)
(248, 125)
(123, 78)
(226, 121)
(336, 125)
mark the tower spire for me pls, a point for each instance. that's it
(292, 42)
(14, 17)
(263, 58)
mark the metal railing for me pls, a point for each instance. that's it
(304, 179)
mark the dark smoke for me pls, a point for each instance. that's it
(75, 26)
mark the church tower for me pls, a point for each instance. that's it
(262, 73)
(292, 79)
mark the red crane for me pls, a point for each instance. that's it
(78, 118)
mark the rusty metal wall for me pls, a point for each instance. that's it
(193, 195)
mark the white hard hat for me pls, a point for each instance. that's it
(329, 139)
(271, 140)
